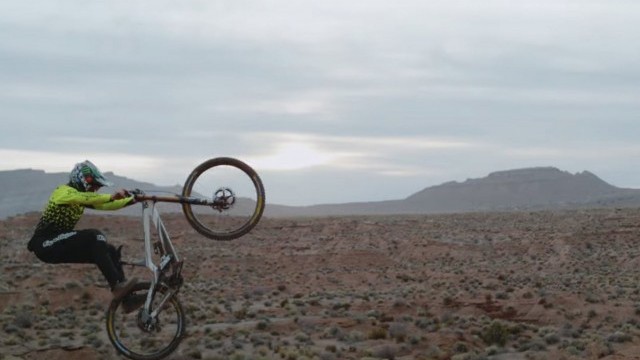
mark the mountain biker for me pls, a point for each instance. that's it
(55, 240)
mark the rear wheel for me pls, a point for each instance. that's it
(237, 193)
(140, 337)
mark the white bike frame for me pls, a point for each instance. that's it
(151, 213)
(163, 246)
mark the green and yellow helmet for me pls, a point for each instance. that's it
(85, 175)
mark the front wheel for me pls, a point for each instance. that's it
(236, 193)
(139, 336)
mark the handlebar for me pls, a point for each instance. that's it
(139, 196)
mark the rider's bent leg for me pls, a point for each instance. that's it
(116, 256)
(85, 247)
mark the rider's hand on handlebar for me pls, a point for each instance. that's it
(120, 194)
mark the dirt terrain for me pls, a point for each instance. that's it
(529, 285)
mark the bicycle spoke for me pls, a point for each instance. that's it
(139, 336)
(237, 194)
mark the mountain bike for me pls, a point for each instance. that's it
(222, 199)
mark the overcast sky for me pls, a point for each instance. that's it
(330, 101)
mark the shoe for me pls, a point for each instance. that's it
(132, 302)
(123, 288)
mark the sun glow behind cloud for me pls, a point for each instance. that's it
(293, 156)
(301, 151)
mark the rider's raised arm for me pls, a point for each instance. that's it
(68, 195)
(114, 204)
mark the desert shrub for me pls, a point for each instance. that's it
(385, 352)
(460, 347)
(259, 339)
(415, 340)
(331, 348)
(373, 314)
(552, 339)
(534, 345)
(240, 314)
(94, 341)
(619, 337)
(11, 341)
(313, 302)
(606, 350)
(354, 337)
(72, 285)
(496, 333)
(302, 337)
(426, 324)
(377, 334)
(574, 347)
(338, 306)
(592, 299)
(262, 325)
(86, 296)
(448, 301)
(333, 332)
(23, 319)
(327, 356)
(434, 352)
(399, 303)
(10, 328)
(398, 331)
(492, 350)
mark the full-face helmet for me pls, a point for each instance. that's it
(85, 176)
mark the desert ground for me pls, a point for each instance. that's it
(520, 285)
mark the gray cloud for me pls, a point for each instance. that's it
(526, 83)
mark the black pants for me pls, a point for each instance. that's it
(80, 247)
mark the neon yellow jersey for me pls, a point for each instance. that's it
(66, 205)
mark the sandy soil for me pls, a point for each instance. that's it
(531, 285)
